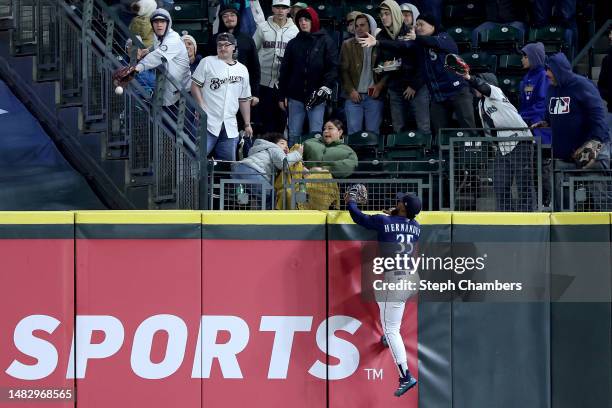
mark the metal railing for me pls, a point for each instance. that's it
(584, 190)
(6, 9)
(81, 44)
(23, 38)
(587, 50)
(313, 190)
(487, 173)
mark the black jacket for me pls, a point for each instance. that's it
(410, 73)
(247, 53)
(310, 62)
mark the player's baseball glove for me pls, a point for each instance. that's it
(586, 155)
(319, 96)
(124, 75)
(358, 192)
(456, 64)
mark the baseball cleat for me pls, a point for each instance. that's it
(405, 384)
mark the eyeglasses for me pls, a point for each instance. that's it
(224, 45)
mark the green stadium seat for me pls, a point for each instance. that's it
(364, 141)
(553, 38)
(368, 167)
(446, 134)
(190, 10)
(510, 63)
(420, 162)
(462, 36)
(368, 7)
(303, 138)
(500, 38)
(408, 140)
(196, 28)
(511, 87)
(469, 12)
(327, 10)
(480, 61)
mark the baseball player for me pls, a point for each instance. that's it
(398, 230)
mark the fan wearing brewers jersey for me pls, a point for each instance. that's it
(220, 85)
(513, 160)
(398, 233)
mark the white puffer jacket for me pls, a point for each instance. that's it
(171, 48)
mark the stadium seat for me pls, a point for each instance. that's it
(365, 142)
(462, 36)
(470, 12)
(190, 10)
(328, 10)
(510, 63)
(196, 28)
(480, 61)
(408, 140)
(510, 85)
(303, 138)
(368, 167)
(396, 162)
(500, 37)
(368, 7)
(553, 38)
(446, 134)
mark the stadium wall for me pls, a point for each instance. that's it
(264, 309)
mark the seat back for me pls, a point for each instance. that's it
(480, 61)
(407, 140)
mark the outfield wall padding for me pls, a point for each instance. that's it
(264, 309)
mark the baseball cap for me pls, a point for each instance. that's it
(300, 5)
(405, 7)
(411, 202)
(281, 3)
(229, 37)
(160, 14)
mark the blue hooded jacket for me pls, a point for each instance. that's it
(442, 83)
(533, 90)
(575, 110)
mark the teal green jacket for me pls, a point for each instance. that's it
(337, 157)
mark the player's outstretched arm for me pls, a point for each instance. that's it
(359, 218)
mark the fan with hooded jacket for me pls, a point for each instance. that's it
(310, 61)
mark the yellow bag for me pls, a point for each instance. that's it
(321, 196)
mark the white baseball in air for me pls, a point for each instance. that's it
(118, 90)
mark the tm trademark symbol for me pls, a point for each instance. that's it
(374, 374)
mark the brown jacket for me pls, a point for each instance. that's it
(351, 63)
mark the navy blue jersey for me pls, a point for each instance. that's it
(390, 229)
